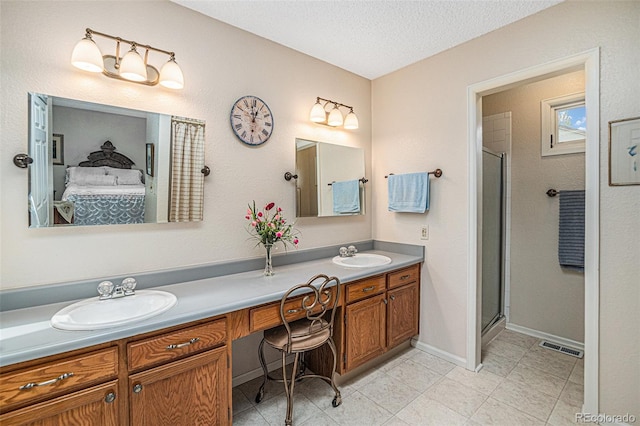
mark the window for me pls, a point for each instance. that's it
(564, 124)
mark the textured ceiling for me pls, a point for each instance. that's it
(369, 38)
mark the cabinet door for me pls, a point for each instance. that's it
(95, 406)
(365, 330)
(192, 391)
(402, 318)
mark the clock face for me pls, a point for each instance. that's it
(251, 120)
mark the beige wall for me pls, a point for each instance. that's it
(420, 122)
(220, 64)
(543, 296)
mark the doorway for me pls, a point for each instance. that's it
(590, 62)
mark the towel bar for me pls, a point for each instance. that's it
(363, 180)
(437, 173)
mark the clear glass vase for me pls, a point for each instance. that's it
(268, 267)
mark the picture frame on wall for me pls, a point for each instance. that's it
(57, 148)
(624, 152)
(150, 159)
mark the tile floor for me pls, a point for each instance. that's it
(520, 384)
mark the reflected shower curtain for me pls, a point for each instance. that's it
(187, 161)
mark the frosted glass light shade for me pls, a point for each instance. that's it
(87, 56)
(132, 67)
(318, 114)
(171, 75)
(351, 121)
(335, 117)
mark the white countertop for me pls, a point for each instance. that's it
(26, 334)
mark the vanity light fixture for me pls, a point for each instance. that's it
(333, 118)
(131, 67)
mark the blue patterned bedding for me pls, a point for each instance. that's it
(107, 209)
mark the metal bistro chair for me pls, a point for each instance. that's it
(297, 337)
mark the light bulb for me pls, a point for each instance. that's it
(171, 75)
(318, 114)
(351, 121)
(132, 66)
(87, 56)
(335, 117)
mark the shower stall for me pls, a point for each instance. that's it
(493, 238)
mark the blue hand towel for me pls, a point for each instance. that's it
(409, 192)
(346, 196)
(571, 230)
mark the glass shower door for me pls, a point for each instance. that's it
(492, 237)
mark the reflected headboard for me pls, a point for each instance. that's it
(107, 157)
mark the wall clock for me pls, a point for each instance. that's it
(251, 120)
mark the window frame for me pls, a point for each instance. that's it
(549, 125)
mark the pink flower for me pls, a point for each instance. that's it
(282, 221)
(279, 209)
(295, 241)
(269, 206)
(278, 234)
(249, 211)
(276, 217)
(259, 214)
(254, 223)
(271, 225)
(247, 217)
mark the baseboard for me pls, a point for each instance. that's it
(454, 359)
(257, 372)
(546, 336)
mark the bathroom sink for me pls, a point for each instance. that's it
(362, 260)
(94, 314)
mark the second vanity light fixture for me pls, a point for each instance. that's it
(333, 118)
(131, 66)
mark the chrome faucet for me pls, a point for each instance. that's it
(107, 290)
(348, 251)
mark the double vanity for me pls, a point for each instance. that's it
(175, 367)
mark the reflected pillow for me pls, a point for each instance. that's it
(97, 180)
(126, 176)
(78, 175)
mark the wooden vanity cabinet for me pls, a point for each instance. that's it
(180, 378)
(79, 389)
(177, 376)
(380, 313)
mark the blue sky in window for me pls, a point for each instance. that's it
(574, 117)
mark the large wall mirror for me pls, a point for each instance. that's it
(97, 164)
(331, 179)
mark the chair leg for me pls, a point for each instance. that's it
(289, 384)
(337, 400)
(263, 363)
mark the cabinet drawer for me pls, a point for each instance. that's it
(268, 316)
(365, 288)
(404, 276)
(57, 377)
(165, 347)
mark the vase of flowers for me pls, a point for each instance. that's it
(268, 226)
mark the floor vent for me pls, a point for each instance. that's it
(564, 349)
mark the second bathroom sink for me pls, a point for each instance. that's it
(362, 260)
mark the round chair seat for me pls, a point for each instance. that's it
(305, 336)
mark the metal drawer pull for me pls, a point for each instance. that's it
(137, 388)
(293, 311)
(404, 277)
(182, 345)
(110, 397)
(393, 298)
(368, 289)
(46, 383)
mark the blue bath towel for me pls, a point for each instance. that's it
(346, 196)
(409, 192)
(571, 230)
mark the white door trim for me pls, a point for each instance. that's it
(590, 60)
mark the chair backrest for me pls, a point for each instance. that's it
(320, 296)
